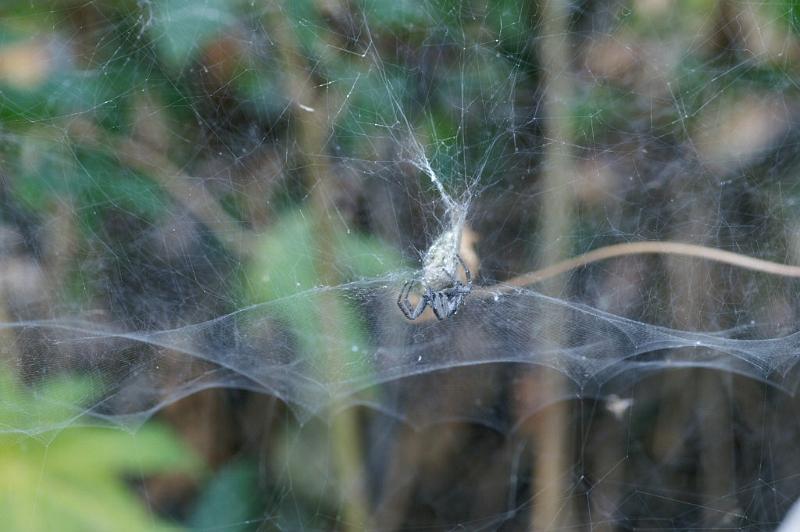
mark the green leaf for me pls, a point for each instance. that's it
(399, 14)
(230, 501)
(332, 335)
(75, 479)
(181, 27)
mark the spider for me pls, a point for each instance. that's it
(444, 302)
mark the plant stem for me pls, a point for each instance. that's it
(551, 441)
(312, 124)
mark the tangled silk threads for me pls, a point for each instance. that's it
(440, 262)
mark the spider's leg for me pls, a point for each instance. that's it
(466, 270)
(419, 309)
(402, 300)
(439, 304)
(456, 303)
(400, 296)
(405, 305)
(467, 274)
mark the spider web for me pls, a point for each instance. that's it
(220, 195)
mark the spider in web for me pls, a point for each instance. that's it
(445, 302)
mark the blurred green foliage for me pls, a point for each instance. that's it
(464, 73)
(235, 498)
(76, 478)
(184, 26)
(287, 263)
(232, 500)
(790, 9)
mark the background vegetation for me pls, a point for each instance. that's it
(166, 162)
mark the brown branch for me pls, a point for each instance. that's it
(646, 248)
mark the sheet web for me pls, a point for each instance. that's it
(208, 210)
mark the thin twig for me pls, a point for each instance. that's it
(647, 248)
